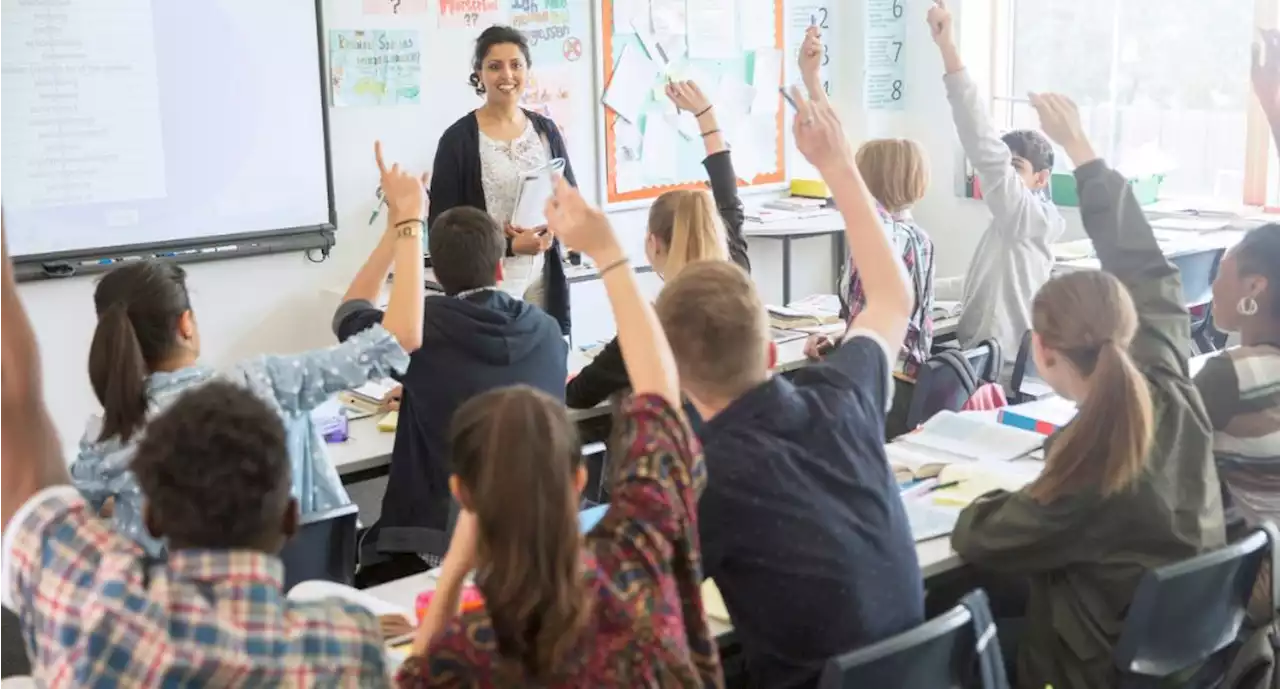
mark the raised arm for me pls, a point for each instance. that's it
(30, 455)
(1266, 79)
(821, 140)
(401, 243)
(1124, 241)
(724, 182)
(1002, 190)
(650, 364)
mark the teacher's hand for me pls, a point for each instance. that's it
(529, 242)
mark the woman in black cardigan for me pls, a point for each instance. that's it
(683, 228)
(479, 160)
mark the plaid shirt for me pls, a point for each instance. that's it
(916, 250)
(95, 614)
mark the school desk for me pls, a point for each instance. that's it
(829, 224)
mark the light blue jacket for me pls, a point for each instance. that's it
(293, 385)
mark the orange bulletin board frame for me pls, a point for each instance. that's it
(610, 168)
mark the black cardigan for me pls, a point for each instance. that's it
(606, 374)
(456, 181)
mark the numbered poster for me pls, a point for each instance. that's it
(470, 14)
(800, 16)
(884, 76)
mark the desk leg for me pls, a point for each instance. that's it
(837, 250)
(786, 270)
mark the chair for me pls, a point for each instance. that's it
(949, 378)
(942, 653)
(324, 548)
(1187, 612)
(1198, 270)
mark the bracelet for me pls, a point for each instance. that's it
(713, 131)
(704, 111)
(620, 262)
(420, 221)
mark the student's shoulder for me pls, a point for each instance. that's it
(334, 616)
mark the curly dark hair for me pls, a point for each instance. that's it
(495, 35)
(214, 469)
(1031, 146)
(1259, 254)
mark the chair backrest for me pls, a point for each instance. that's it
(324, 548)
(942, 653)
(1185, 612)
(949, 378)
(1024, 366)
(1198, 270)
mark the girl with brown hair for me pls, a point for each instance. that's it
(1129, 484)
(619, 606)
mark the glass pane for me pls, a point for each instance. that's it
(1174, 83)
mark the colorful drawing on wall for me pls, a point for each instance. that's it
(549, 92)
(556, 28)
(396, 7)
(470, 14)
(370, 68)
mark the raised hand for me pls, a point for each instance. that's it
(687, 96)
(941, 24)
(819, 134)
(1060, 121)
(811, 53)
(406, 195)
(579, 225)
(1266, 75)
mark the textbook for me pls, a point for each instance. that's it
(814, 310)
(911, 463)
(972, 437)
(946, 309)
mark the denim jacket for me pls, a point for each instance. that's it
(293, 385)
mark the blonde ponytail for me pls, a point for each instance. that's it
(686, 222)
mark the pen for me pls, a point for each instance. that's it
(944, 486)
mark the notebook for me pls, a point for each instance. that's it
(929, 520)
(974, 479)
(971, 437)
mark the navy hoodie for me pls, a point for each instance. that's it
(470, 345)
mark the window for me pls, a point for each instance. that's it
(1163, 86)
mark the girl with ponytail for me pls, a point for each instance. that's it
(1129, 484)
(146, 348)
(685, 225)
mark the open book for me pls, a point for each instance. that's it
(946, 309)
(970, 437)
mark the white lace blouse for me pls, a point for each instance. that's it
(501, 163)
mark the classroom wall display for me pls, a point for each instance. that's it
(884, 76)
(733, 49)
(375, 67)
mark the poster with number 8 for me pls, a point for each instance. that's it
(884, 53)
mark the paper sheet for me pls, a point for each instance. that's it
(626, 139)
(667, 17)
(766, 77)
(628, 89)
(712, 29)
(658, 151)
(627, 14)
(629, 176)
(754, 31)
(536, 187)
(649, 40)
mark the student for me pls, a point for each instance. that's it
(1013, 258)
(145, 353)
(683, 228)
(1130, 484)
(619, 607)
(214, 468)
(801, 525)
(479, 160)
(474, 338)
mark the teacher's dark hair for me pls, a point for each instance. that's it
(495, 35)
(139, 306)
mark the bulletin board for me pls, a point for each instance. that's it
(724, 62)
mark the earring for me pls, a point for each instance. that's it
(1247, 306)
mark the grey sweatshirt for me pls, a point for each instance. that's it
(1013, 258)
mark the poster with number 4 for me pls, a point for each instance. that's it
(886, 38)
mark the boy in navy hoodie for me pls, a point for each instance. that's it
(475, 338)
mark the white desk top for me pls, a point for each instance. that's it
(828, 223)
(1173, 243)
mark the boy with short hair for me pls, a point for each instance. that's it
(801, 525)
(475, 338)
(215, 473)
(1014, 258)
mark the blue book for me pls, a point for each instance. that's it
(588, 518)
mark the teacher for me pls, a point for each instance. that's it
(479, 161)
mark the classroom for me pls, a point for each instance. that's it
(582, 343)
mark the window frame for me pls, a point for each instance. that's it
(991, 23)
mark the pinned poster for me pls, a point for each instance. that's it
(800, 16)
(557, 29)
(885, 72)
(633, 77)
(371, 68)
(396, 7)
(469, 14)
(549, 92)
(752, 32)
(712, 29)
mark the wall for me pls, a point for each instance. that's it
(281, 304)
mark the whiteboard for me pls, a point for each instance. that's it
(142, 123)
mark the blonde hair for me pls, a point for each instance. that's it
(1088, 317)
(717, 328)
(687, 224)
(895, 170)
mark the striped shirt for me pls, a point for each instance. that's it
(1241, 389)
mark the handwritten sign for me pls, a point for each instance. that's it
(556, 28)
(398, 7)
(800, 16)
(885, 72)
(374, 67)
(469, 14)
(549, 92)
